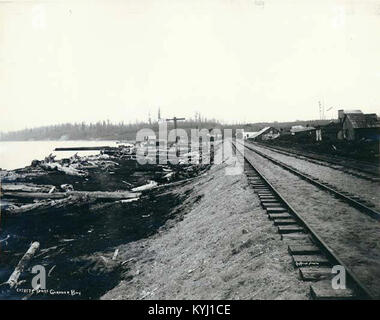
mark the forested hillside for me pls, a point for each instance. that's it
(106, 130)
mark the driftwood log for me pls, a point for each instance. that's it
(44, 205)
(63, 200)
(13, 279)
(12, 187)
(67, 170)
(34, 195)
(150, 185)
(101, 195)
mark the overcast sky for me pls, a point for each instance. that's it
(235, 60)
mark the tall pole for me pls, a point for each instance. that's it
(175, 119)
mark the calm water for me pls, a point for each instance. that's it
(18, 154)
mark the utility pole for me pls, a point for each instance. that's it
(321, 110)
(175, 119)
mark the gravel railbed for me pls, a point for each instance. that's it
(353, 236)
(223, 247)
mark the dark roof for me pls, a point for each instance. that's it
(332, 127)
(359, 120)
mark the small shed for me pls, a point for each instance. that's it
(356, 126)
(331, 130)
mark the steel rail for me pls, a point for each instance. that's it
(375, 172)
(367, 210)
(364, 292)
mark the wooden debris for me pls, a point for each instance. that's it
(67, 170)
(34, 195)
(115, 254)
(47, 205)
(5, 239)
(67, 187)
(106, 195)
(322, 290)
(129, 200)
(152, 184)
(13, 279)
(13, 187)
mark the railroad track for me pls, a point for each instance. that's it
(309, 252)
(353, 200)
(360, 169)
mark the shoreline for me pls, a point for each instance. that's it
(77, 238)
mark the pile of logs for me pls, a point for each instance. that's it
(19, 197)
(45, 197)
(75, 165)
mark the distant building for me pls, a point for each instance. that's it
(330, 131)
(356, 125)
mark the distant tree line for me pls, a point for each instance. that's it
(106, 130)
(101, 130)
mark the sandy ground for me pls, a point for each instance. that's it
(343, 181)
(220, 246)
(354, 236)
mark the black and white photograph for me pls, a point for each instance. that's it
(181, 155)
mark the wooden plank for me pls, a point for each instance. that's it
(310, 260)
(295, 236)
(270, 204)
(271, 199)
(285, 215)
(296, 241)
(284, 222)
(290, 229)
(303, 250)
(315, 273)
(276, 210)
(322, 290)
